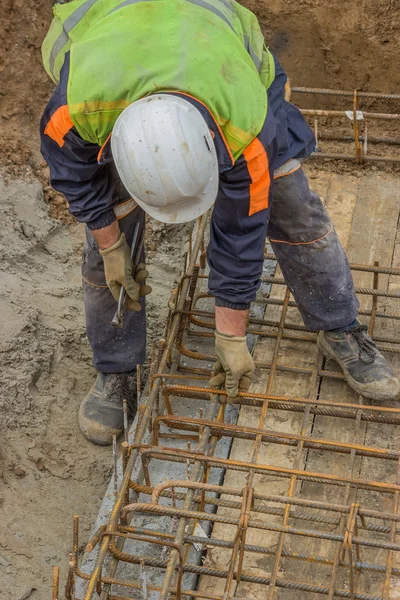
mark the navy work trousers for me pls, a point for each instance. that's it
(310, 255)
(114, 350)
(309, 252)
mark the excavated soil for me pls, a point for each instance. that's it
(48, 472)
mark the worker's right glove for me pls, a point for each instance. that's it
(118, 272)
(235, 366)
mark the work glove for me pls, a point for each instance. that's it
(235, 366)
(118, 272)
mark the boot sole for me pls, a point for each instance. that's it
(361, 388)
(95, 434)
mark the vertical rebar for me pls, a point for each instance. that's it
(138, 382)
(265, 406)
(143, 579)
(355, 126)
(55, 583)
(316, 133)
(374, 308)
(115, 464)
(75, 538)
(125, 410)
(365, 137)
(125, 457)
(152, 365)
(70, 582)
(393, 532)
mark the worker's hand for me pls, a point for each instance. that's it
(235, 366)
(118, 272)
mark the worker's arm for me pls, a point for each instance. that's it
(231, 322)
(237, 239)
(75, 173)
(74, 168)
(107, 236)
(88, 188)
(236, 255)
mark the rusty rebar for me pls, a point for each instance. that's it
(290, 439)
(349, 524)
(344, 93)
(55, 583)
(252, 548)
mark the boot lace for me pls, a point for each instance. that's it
(118, 386)
(122, 389)
(365, 344)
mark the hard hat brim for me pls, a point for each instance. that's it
(185, 211)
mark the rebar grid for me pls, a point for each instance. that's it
(360, 121)
(341, 543)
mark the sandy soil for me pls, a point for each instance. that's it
(48, 471)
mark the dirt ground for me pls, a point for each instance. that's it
(48, 471)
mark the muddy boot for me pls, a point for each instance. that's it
(101, 411)
(364, 367)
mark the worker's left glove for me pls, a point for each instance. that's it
(118, 272)
(235, 366)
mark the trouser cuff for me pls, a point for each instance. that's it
(349, 327)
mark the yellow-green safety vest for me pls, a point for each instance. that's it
(120, 52)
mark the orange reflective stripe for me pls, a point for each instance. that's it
(59, 125)
(304, 243)
(288, 173)
(121, 212)
(103, 147)
(258, 166)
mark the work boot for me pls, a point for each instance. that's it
(101, 413)
(364, 367)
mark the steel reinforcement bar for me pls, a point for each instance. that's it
(332, 532)
(361, 141)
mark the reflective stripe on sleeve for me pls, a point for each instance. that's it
(254, 57)
(258, 166)
(59, 125)
(123, 209)
(228, 5)
(126, 3)
(287, 168)
(200, 3)
(214, 10)
(68, 24)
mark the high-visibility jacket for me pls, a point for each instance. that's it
(120, 52)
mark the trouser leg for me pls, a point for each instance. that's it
(310, 255)
(114, 350)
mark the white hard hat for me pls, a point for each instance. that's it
(166, 158)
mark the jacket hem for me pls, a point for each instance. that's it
(233, 305)
(103, 220)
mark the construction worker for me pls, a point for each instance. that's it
(168, 107)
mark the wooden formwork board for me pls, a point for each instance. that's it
(365, 213)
